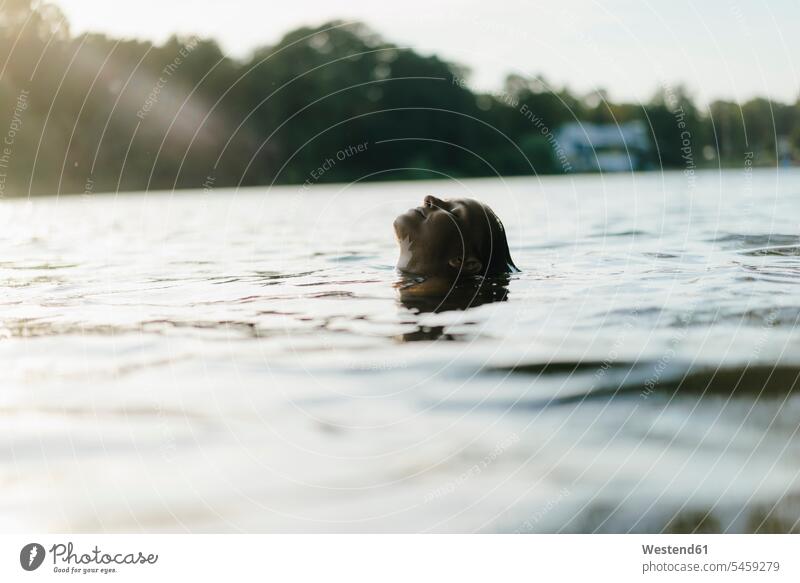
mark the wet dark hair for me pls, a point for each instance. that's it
(496, 256)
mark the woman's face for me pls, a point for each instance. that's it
(442, 237)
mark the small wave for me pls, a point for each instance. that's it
(629, 233)
(773, 273)
(758, 241)
(653, 378)
(659, 255)
(780, 250)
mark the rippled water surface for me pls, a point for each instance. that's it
(242, 361)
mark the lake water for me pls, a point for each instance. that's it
(241, 361)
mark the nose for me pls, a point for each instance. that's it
(432, 202)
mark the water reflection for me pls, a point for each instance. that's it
(433, 295)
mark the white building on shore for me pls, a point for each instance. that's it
(605, 147)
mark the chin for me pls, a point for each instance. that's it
(403, 226)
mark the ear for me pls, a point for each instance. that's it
(470, 266)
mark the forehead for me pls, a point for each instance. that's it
(470, 204)
(475, 209)
(478, 219)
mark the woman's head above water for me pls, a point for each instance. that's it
(454, 238)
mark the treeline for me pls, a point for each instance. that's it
(334, 103)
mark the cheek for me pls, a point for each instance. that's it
(440, 234)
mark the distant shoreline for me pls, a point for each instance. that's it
(302, 189)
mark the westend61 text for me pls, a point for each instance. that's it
(675, 550)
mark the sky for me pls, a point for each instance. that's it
(729, 49)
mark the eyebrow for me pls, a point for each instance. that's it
(463, 217)
(459, 205)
